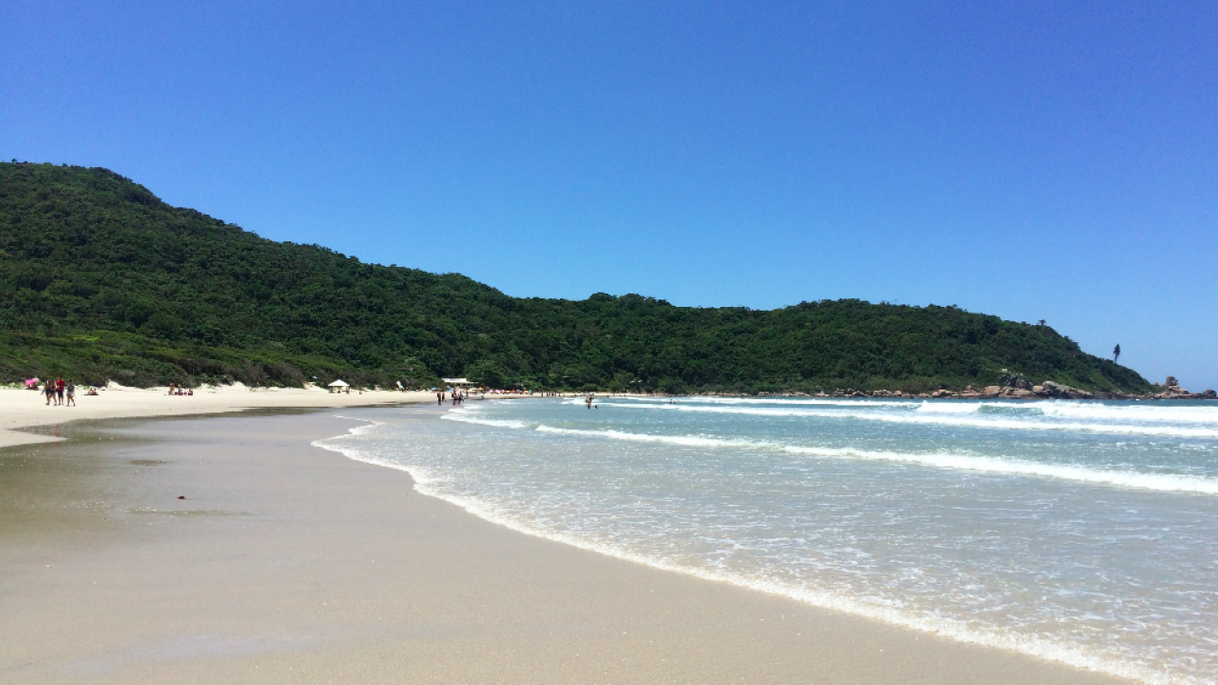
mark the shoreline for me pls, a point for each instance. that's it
(291, 563)
(25, 409)
(22, 410)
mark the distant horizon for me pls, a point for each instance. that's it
(1030, 162)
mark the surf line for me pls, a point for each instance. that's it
(949, 461)
(823, 598)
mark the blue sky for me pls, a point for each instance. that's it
(1034, 160)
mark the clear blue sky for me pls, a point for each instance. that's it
(1034, 160)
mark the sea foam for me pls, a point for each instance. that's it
(954, 628)
(966, 417)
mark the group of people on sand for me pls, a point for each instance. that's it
(175, 389)
(59, 393)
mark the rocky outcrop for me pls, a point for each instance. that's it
(1015, 387)
(1172, 390)
(1015, 381)
(1062, 392)
(969, 393)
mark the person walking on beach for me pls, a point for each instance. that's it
(48, 389)
(71, 394)
(59, 387)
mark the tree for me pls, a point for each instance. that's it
(1116, 352)
(486, 372)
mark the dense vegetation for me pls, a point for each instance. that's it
(101, 280)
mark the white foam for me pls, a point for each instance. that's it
(968, 419)
(497, 423)
(1206, 414)
(827, 401)
(746, 401)
(1159, 482)
(943, 460)
(952, 629)
(955, 630)
(952, 407)
(684, 440)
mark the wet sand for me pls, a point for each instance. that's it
(289, 563)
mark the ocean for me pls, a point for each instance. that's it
(1079, 531)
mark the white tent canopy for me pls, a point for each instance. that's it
(338, 385)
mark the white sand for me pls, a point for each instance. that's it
(27, 408)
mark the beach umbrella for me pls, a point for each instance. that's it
(31, 382)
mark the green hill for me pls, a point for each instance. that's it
(101, 280)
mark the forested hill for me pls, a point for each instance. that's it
(101, 280)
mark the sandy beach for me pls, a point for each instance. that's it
(28, 409)
(228, 549)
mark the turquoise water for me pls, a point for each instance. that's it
(1084, 532)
